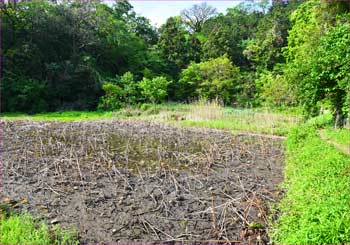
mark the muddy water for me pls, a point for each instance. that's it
(126, 181)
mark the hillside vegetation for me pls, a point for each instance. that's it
(87, 56)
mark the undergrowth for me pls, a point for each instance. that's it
(316, 208)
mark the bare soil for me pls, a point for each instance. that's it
(119, 181)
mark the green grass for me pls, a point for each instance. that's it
(239, 126)
(287, 111)
(60, 116)
(341, 136)
(199, 114)
(247, 120)
(23, 229)
(213, 115)
(316, 208)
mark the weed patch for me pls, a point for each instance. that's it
(23, 229)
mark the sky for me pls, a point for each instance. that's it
(159, 10)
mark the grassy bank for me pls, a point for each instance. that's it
(316, 208)
(341, 136)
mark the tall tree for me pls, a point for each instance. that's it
(228, 34)
(175, 45)
(197, 15)
(317, 55)
(265, 49)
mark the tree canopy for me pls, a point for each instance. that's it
(71, 55)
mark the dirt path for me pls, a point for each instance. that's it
(340, 147)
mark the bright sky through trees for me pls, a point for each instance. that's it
(159, 11)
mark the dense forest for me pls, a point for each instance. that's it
(70, 55)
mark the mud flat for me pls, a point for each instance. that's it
(133, 181)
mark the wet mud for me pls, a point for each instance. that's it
(119, 181)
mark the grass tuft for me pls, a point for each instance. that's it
(23, 229)
(206, 110)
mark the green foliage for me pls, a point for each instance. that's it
(330, 66)
(264, 50)
(190, 79)
(155, 89)
(320, 121)
(341, 136)
(317, 56)
(22, 94)
(212, 79)
(61, 59)
(131, 94)
(305, 31)
(316, 207)
(22, 229)
(177, 46)
(112, 100)
(227, 34)
(219, 76)
(273, 90)
(302, 40)
(58, 54)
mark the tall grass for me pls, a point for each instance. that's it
(206, 110)
(214, 115)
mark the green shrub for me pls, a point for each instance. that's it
(23, 94)
(190, 79)
(145, 106)
(112, 100)
(274, 90)
(245, 94)
(154, 90)
(211, 79)
(321, 121)
(131, 93)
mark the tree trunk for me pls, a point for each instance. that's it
(338, 118)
